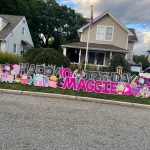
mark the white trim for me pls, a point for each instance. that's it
(110, 55)
(95, 61)
(104, 63)
(107, 50)
(81, 37)
(105, 26)
(64, 51)
(127, 43)
(114, 18)
(80, 56)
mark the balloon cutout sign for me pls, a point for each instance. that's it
(88, 81)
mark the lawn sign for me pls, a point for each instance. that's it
(117, 83)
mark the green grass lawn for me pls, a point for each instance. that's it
(122, 98)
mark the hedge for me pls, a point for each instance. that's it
(46, 56)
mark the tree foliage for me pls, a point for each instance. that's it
(46, 17)
(119, 60)
(141, 60)
(46, 56)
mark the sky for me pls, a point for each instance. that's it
(133, 13)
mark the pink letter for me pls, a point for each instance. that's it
(81, 85)
(98, 87)
(69, 82)
(113, 87)
(67, 73)
(90, 86)
(106, 89)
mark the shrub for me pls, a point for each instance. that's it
(119, 60)
(46, 56)
(6, 57)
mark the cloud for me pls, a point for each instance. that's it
(130, 11)
(143, 45)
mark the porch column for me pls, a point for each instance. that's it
(110, 55)
(79, 56)
(95, 58)
(104, 59)
(126, 56)
(64, 51)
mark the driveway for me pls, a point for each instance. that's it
(37, 123)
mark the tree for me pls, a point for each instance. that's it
(46, 56)
(141, 60)
(118, 59)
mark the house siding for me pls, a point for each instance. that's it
(15, 37)
(119, 35)
(130, 47)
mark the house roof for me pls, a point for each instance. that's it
(12, 23)
(94, 46)
(113, 17)
(134, 37)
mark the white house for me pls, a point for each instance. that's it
(15, 36)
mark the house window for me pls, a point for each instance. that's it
(100, 58)
(91, 58)
(104, 33)
(15, 48)
(23, 31)
(3, 45)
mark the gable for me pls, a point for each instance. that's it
(119, 37)
(12, 22)
(3, 23)
(107, 13)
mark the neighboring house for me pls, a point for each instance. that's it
(14, 34)
(108, 36)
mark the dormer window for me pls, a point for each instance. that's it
(104, 33)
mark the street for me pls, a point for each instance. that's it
(38, 123)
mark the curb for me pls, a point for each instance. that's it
(48, 95)
(77, 98)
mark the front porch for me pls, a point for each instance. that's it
(98, 54)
